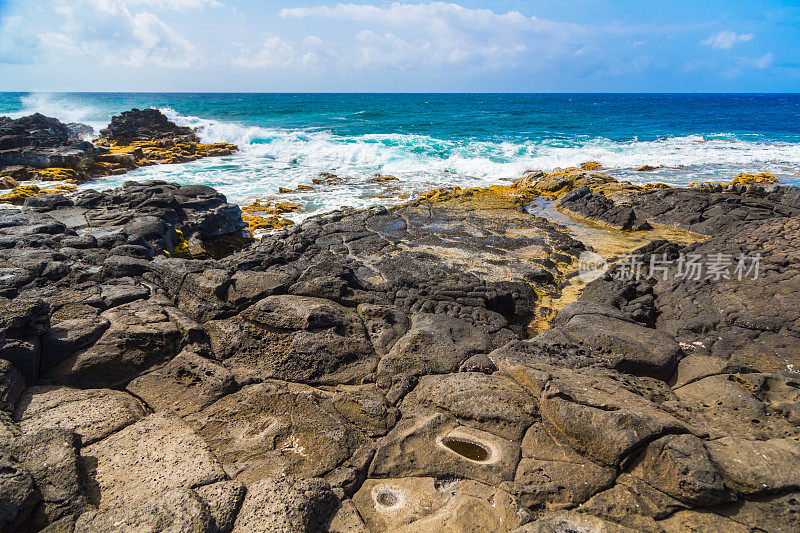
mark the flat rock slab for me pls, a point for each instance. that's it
(141, 334)
(185, 385)
(275, 428)
(601, 419)
(757, 466)
(155, 454)
(93, 413)
(419, 504)
(286, 505)
(176, 511)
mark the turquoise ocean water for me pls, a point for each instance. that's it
(434, 140)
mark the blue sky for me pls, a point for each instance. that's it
(468, 46)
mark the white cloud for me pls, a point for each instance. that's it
(115, 32)
(725, 40)
(166, 5)
(439, 35)
(760, 63)
(274, 53)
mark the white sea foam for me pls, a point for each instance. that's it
(273, 157)
(66, 110)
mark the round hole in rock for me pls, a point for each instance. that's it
(467, 448)
(388, 499)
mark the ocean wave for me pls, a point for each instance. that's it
(420, 154)
(64, 109)
(272, 157)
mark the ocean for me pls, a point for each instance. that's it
(435, 140)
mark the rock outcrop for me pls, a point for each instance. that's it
(386, 369)
(42, 149)
(145, 125)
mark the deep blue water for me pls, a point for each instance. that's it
(431, 140)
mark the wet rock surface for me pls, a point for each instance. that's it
(379, 370)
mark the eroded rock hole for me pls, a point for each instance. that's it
(388, 499)
(467, 448)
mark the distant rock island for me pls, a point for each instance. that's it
(433, 366)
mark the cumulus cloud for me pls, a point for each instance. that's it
(725, 40)
(438, 35)
(113, 32)
(760, 63)
(273, 53)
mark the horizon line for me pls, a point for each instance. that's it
(420, 92)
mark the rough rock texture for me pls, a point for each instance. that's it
(597, 207)
(286, 505)
(144, 124)
(388, 369)
(40, 141)
(40, 148)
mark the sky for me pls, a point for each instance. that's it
(384, 46)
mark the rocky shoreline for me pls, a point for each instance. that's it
(417, 368)
(42, 149)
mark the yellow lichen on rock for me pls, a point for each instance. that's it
(7, 182)
(285, 207)
(765, 178)
(166, 151)
(284, 190)
(561, 181)
(327, 178)
(57, 174)
(18, 195)
(181, 247)
(305, 188)
(255, 222)
(492, 197)
(591, 165)
(377, 178)
(267, 215)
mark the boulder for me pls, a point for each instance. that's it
(185, 385)
(286, 505)
(553, 473)
(274, 428)
(67, 337)
(18, 494)
(755, 467)
(434, 344)
(597, 207)
(224, 499)
(679, 466)
(144, 124)
(314, 341)
(92, 414)
(493, 403)
(51, 457)
(175, 510)
(601, 419)
(627, 346)
(725, 405)
(141, 334)
(158, 453)
(11, 385)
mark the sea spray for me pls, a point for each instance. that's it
(288, 140)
